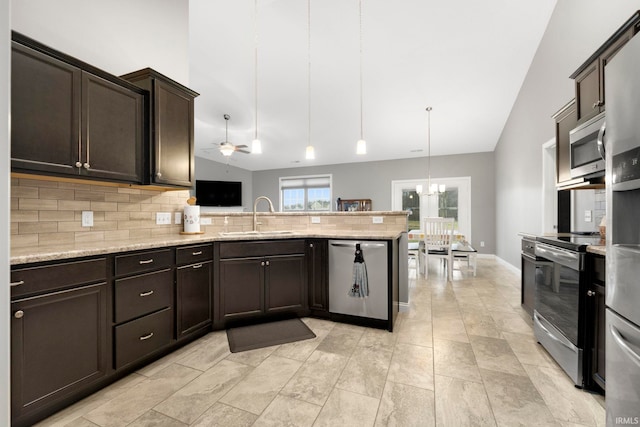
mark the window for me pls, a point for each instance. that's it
(305, 193)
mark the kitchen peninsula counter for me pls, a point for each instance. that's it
(77, 250)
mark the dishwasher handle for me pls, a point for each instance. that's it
(363, 245)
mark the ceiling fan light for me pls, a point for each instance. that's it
(310, 153)
(226, 149)
(256, 146)
(361, 147)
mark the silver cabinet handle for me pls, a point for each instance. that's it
(262, 263)
(146, 294)
(86, 165)
(159, 175)
(197, 266)
(267, 262)
(598, 103)
(146, 261)
(146, 337)
(196, 253)
(18, 283)
(78, 164)
(590, 293)
(18, 314)
(310, 245)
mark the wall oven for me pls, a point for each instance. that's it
(587, 148)
(560, 317)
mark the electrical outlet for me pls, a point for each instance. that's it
(177, 217)
(163, 218)
(482, 243)
(315, 220)
(87, 218)
(378, 220)
(205, 221)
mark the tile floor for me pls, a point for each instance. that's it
(462, 355)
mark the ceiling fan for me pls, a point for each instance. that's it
(227, 148)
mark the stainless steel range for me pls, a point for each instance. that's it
(560, 317)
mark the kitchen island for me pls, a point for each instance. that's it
(112, 307)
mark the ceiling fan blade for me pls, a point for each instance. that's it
(242, 151)
(241, 146)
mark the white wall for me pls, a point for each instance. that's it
(118, 36)
(576, 29)
(4, 210)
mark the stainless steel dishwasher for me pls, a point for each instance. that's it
(341, 266)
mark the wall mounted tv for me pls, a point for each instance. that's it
(218, 193)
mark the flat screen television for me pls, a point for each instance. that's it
(218, 193)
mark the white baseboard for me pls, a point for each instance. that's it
(508, 265)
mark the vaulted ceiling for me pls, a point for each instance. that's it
(466, 59)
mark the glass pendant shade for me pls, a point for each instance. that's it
(419, 188)
(361, 147)
(310, 153)
(226, 149)
(256, 146)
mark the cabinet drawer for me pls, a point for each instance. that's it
(143, 261)
(138, 295)
(29, 281)
(193, 254)
(142, 336)
(261, 248)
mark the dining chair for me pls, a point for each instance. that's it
(438, 237)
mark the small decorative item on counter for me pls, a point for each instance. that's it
(603, 227)
(191, 217)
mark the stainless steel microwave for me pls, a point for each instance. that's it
(586, 143)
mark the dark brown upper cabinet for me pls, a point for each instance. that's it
(565, 121)
(70, 119)
(170, 157)
(589, 78)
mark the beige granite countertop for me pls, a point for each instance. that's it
(598, 250)
(60, 252)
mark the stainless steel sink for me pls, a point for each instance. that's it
(256, 233)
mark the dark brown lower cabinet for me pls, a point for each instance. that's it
(193, 297)
(596, 294)
(317, 277)
(261, 278)
(58, 347)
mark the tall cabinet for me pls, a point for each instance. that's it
(170, 158)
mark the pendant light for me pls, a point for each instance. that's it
(431, 188)
(310, 153)
(361, 145)
(256, 145)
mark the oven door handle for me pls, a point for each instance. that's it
(565, 257)
(553, 337)
(536, 261)
(623, 344)
(600, 144)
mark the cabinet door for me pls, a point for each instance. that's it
(112, 130)
(173, 141)
(566, 120)
(318, 283)
(45, 113)
(588, 92)
(58, 346)
(193, 297)
(241, 288)
(285, 283)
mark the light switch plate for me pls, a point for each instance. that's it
(378, 220)
(587, 216)
(177, 217)
(315, 220)
(205, 221)
(87, 218)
